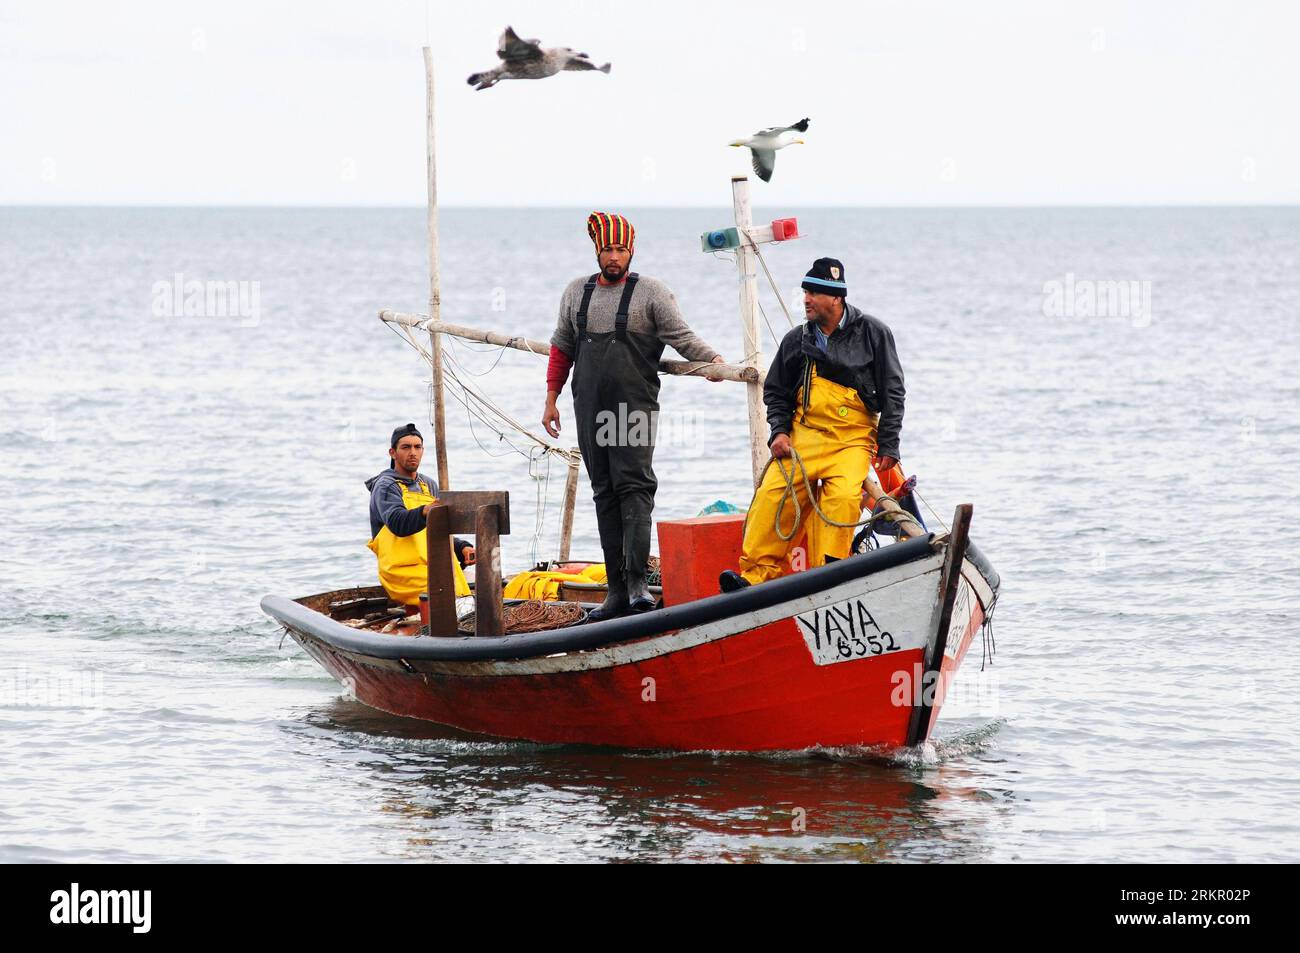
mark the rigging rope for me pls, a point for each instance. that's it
(480, 406)
(490, 415)
(776, 338)
(543, 494)
(937, 517)
(770, 280)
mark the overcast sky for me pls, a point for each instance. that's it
(954, 103)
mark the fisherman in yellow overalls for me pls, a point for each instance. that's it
(399, 507)
(834, 397)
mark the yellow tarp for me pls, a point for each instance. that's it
(546, 585)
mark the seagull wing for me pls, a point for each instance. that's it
(764, 163)
(579, 61)
(514, 50)
(774, 131)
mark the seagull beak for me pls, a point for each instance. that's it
(801, 142)
(735, 144)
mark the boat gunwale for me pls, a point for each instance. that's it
(296, 616)
(656, 646)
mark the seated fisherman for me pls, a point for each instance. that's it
(400, 498)
(834, 397)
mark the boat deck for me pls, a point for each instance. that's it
(369, 608)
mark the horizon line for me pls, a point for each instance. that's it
(691, 206)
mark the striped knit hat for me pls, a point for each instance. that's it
(826, 276)
(606, 228)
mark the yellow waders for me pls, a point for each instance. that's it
(836, 437)
(404, 560)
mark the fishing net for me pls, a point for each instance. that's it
(534, 615)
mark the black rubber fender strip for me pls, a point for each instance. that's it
(981, 562)
(595, 634)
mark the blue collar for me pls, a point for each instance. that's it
(820, 336)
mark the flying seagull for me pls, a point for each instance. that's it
(525, 59)
(764, 143)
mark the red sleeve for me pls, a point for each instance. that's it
(557, 369)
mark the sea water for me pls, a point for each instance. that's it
(191, 400)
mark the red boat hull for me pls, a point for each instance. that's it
(753, 690)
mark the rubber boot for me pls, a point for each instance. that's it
(732, 581)
(609, 523)
(636, 556)
(616, 603)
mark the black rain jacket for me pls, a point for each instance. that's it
(860, 354)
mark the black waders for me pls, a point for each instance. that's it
(616, 405)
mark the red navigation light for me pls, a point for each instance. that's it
(784, 229)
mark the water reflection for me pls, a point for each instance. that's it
(457, 796)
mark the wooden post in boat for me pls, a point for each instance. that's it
(745, 263)
(489, 610)
(570, 501)
(486, 514)
(949, 583)
(435, 295)
(442, 584)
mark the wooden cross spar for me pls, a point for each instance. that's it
(743, 373)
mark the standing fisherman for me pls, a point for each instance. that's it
(613, 326)
(834, 397)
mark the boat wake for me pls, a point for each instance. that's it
(934, 752)
(955, 747)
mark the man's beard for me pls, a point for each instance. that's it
(614, 272)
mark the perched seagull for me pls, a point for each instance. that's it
(764, 143)
(525, 59)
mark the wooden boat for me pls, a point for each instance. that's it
(855, 653)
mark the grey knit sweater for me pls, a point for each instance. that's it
(653, 311)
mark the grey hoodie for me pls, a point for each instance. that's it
(387, 508)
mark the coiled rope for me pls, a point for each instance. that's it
(791, 494)
(534, 615)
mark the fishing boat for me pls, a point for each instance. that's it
(855, 653)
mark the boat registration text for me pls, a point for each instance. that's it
(844, 631)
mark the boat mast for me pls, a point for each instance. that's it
(570, 502)
(749, 372)
(435, 296)
(745, 258)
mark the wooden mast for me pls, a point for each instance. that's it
(753, 357)
(435, 295)
(570, 500)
